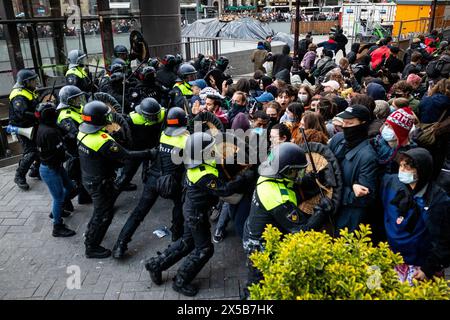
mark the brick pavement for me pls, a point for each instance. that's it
(33, 264)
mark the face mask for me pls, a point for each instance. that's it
(355, 135)
(406, 177)
(303, 97)
(258, 131)
(392, 108)
(388, 134)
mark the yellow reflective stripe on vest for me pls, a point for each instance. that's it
(94, 141)
(195, 174)
(272, 193)
(178, 141)
(79, 72)
(69, 113)
(140, 120)
(184, 88)
(24, 93)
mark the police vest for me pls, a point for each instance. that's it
(177, 141)
(94, 141)
(69, 114)
(195, 174)
(77, 71)
(140, 120)
(30, 96)
(185, 88)
(274, 192)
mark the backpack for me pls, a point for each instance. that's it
(426, 134)
(434, 68)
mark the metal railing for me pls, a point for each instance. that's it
(190, 47)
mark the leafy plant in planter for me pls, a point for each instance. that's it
(312, 266)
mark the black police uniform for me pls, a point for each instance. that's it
(77, 76)
(100, 155)
(22, 106)
(164, 178)
(166, 76)
(203, 187)
(68, 121)
(145, 135)
(275, 202)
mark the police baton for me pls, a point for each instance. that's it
(51, 93)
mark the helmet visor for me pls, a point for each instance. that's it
(294, 173)
(77, 101)
(109, 118)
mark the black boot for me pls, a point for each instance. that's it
(155, 270)
(176, 233)
(84, 197)
(68, 206)
(21, 182)
(64, 214)
(60, 230)
(186, 289)
(119, 250)
(97, 252)
(34, 172)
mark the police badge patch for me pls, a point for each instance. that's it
(212, 184)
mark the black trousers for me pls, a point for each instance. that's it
(104, 194)
(128, 171)
(30, 155)
(73, 169)
(146, 202)
(195, 245)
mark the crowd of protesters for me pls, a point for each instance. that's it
(379, 113)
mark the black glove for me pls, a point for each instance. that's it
(151, 153)
(325, 206)
(248, 176)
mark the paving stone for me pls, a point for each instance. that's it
(13, 222)
(33, 264)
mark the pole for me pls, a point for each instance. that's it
(433, 14)
(197, 9)
(297, 27)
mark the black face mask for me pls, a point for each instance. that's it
(355, 135)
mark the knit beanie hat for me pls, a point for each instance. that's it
(401, 121)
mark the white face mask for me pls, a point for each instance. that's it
(406, 177)
(303, 97)
(388, 134)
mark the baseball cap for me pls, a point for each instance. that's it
(265, 97)
(355, 111)
(199, 83)
(331, 83)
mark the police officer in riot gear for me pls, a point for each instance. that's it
(71, 101)
(100, 155)
(182, 92)
(121, 52)
(23, 101)
(145, 125)
(77, 75)
(148, 87)
(275, 201)
(203, 189)
(164, 178)
(166, 75)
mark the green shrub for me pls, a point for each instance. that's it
(313, 265)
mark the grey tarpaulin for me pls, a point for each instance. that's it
(243, 29)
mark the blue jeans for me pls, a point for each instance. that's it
(59, 185)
